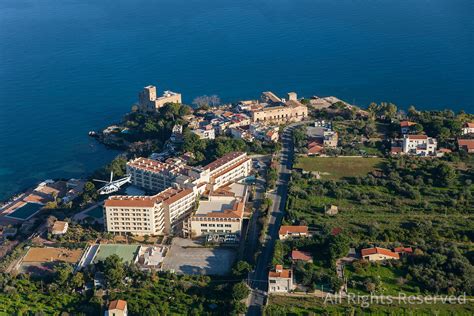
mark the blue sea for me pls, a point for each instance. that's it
(70, 66)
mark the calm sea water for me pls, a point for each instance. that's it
(69, 66)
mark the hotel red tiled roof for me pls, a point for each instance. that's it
(223, 160)
(167, 196)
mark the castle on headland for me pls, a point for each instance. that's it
(148, 100)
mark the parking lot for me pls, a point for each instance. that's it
(189, 257)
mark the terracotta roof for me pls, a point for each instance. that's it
(315, 149)
(151, 165)
(236, 212)
(314, 143)
(167, 196)
(118, 304)
(301, 255)
(466, 143)
(403, 249)
(293, 229)
(406, 123)
(230, 168)
(469, 124)
(417, 137)
(396, 149)
(445, 150)
(283, 273)
(378, 250)
(223, 160)
(177, 196)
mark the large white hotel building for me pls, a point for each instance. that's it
(178, 186)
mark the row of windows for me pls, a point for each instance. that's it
(218, 225)
(215, 231)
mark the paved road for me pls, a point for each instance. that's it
(258, 279)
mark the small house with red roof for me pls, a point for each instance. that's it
(292, 232)
(280, 280)
(117, 308)
(298, 255)
(466, 145)
(378, 254)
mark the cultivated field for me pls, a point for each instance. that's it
(335, 168)
(52, 254)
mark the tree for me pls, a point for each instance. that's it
(63, 272)
(338, 246)
(445, 174)
(77, 280)
(240, 291)
(113, 270)
(241, 268)
(206, 101)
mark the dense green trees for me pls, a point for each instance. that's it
(240, 291)
(146, 293)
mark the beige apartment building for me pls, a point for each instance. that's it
(221, 213)
(148, 215)
(179, 186)
(153, 175)
(291, 111)
(149, 101)
(231, 167)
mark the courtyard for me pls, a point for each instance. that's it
(189, 257)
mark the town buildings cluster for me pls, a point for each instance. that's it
(247, 120)
(414, 143)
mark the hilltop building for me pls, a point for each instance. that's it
(278, 110)
(149, 101)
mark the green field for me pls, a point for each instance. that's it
(126, 252)
(387, 278)
(285, 305)
(335, 168)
